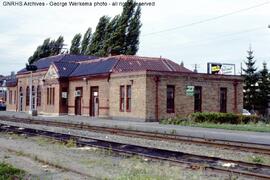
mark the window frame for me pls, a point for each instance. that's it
(27, 96)
(10, 97)
(128, 98)
(39, 96)
(223, 101)
(48, 96)
(199, 88)
(122, 98)
(170, 109)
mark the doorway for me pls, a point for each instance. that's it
(94, 102)
(78, 101)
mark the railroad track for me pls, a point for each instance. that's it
(232, 145)
(257, 171)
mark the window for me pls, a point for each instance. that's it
(50, 96)
(170, 99)
(15, 97)
(198, 99)
(27, 96)
(223, 100)
(33, 97)
(10, 97)
(122, 98)
(38, 96)
(128, 98)
(53, 95)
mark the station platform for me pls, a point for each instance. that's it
(155, 127)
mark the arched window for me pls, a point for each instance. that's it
(21, 91)
(38, 96)
(27, 96)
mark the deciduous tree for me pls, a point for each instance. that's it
(86, 41)
(75, 44)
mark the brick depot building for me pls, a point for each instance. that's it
(122, 87)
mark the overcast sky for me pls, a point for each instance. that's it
(195, 32)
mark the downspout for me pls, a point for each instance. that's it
(157, 80)
(235, 83)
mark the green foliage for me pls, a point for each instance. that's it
(132, 39)
(71, 143)
(8, 172)
(264, 90)
(75, 44)
(214, 120)
(48, 48)
(111, 35)
(257, 159)
(212, 117)
(251, 78)
(97, 43)
(86, 41)
(120, 34)
(220, 118)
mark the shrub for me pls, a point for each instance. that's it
(214, 117)
(247, 119)
(221, 118)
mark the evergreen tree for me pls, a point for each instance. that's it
(264, 90)
(250, 82)
(98, 40)
(75, 44)
(132, 39)
(86, 41)
(48, 48)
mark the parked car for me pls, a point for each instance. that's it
(246, 112)
(2, 106)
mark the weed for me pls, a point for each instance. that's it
(6, 157)
(173, 131)
(71, 143)
(257, 159)
(9, 172)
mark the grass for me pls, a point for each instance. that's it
(259, 127)
(256, 127)
(8, 172)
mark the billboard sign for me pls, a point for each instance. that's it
(221, 68)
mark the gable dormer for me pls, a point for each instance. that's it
(51, 73)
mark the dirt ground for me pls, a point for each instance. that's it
(44, 158)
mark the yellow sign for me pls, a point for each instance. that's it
(215, 68)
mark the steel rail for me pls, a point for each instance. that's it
(225, 144)
(191, 160)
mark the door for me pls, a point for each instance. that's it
(64, 101)
(78, 101)
(94, 102)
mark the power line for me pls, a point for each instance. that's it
(207, 20)
(222, 37)
(207, 40)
